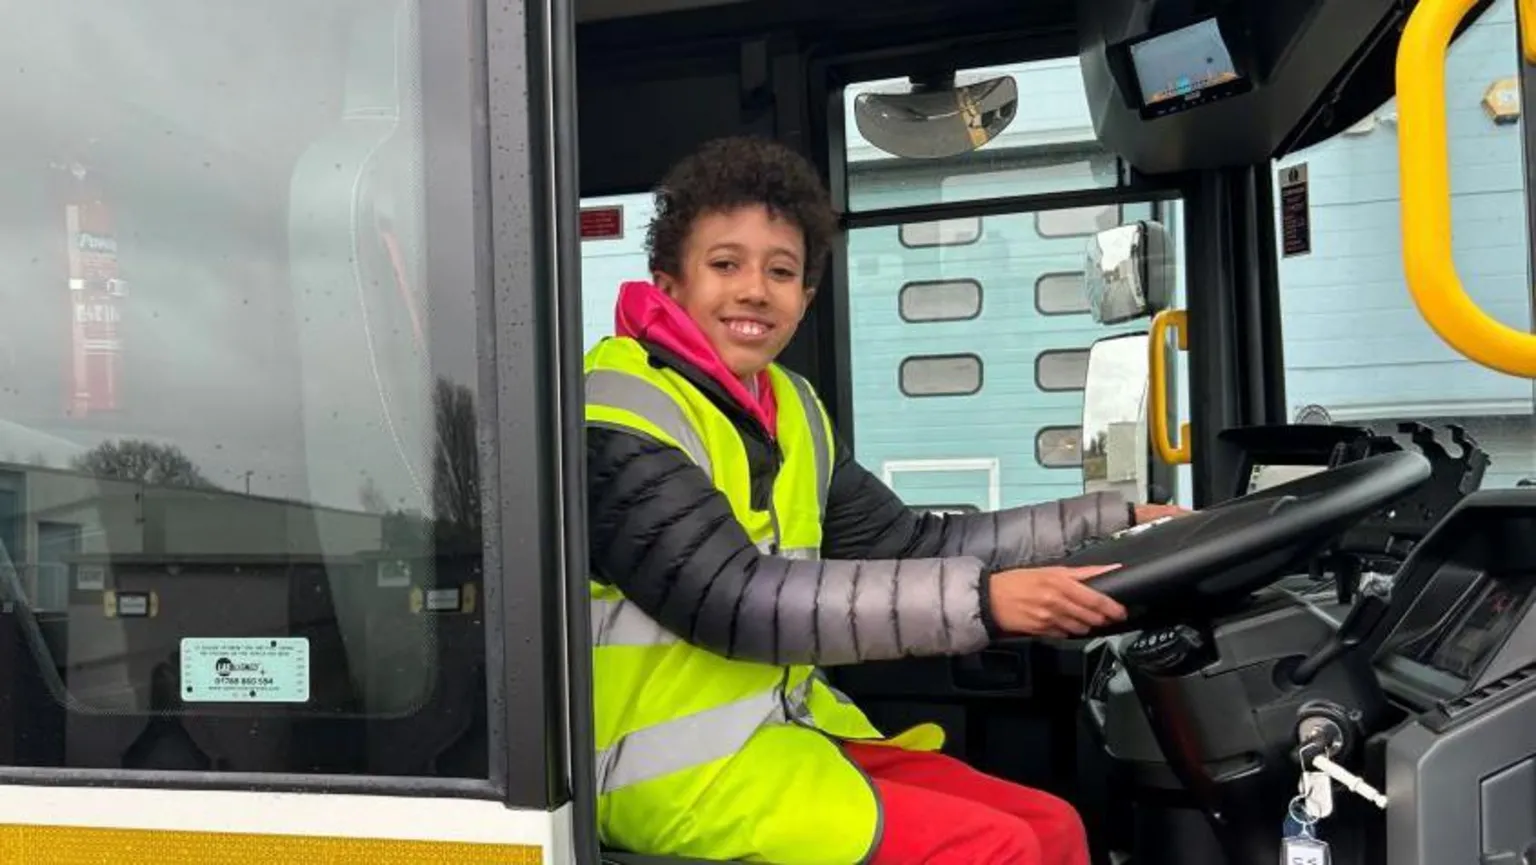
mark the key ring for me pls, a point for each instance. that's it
(1303, 817)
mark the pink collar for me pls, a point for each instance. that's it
(646, 313)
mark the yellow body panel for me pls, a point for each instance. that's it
(74, 845)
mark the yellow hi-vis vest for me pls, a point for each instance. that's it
(699, 755)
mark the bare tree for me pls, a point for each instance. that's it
(454, 526)
(1098, 445)
(371, 497)
(144, 462)
(456, 461)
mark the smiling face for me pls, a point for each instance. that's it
(742, 280)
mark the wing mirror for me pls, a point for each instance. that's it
(1128, 272)
(1117, 445)
(933, 118)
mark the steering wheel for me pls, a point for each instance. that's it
(1243, 544)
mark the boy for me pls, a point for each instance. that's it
(736, 545)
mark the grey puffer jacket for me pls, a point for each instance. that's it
(891, 583)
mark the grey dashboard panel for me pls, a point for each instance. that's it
(1469, 786)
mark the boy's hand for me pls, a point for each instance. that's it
(1147, 513)
(1051, 602)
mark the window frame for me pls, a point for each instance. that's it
(1050, 274)
(534, 369)
(981, 231)
(1040, 385)
(981, 374)
(1041, 433)
(925, 283)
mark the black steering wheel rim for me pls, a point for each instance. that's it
(1166, 565)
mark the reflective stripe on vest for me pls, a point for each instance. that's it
(710, 735)
(820, 436)
(631, 393)
(621, 623)
(634, 394)
(803, 553)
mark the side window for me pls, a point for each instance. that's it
(944, 232)
(1398, 370)
(968, 331)
(941, 375)
(1061, 370)
(940, 300)
(1061, 294)
(239, 471)
(1059, 447)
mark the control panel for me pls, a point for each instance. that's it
(1468, 590)
(1487, 616)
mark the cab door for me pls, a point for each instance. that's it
(264, 431)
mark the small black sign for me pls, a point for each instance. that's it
(1295, 216)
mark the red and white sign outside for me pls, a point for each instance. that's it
(96, 292)
(602, 223)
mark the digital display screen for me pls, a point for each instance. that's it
(1184, 65)
(1480, 628)
(1263, 477)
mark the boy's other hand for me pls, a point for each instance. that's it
(1148, 513)
(1051, 602)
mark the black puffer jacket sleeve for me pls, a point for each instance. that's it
(662, 534)
(865, 519)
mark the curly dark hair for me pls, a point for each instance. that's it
(728, 173)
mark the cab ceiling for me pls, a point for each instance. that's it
(684, 71)
(652, 25)
(657, 77)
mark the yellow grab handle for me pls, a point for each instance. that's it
(1157, 346)
(1424, 157)
(1527, 16)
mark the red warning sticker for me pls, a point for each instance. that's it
(602, 223)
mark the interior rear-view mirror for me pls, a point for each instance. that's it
(1117, 448)
(1129, 272)
(932, 118)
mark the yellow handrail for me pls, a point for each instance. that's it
(1527, 16)
(1424, 163)
(1157, 347)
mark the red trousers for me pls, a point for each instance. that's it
(939, 811)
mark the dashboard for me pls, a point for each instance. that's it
(1490, 614)
(1465, 570)
(1471, 585)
